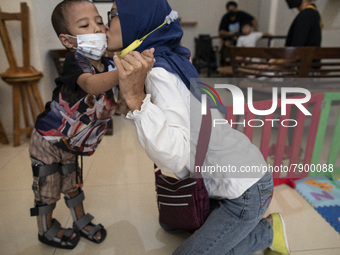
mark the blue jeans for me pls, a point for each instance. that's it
(235, 226)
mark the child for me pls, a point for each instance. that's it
(248, 38)
(74, 122)
(167, 117)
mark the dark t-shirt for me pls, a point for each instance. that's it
(72, 120)
(305, 29)
(234, 26)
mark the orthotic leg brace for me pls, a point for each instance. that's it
(40, 171)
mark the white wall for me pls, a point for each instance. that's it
(272, 15)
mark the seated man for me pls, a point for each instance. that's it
(230, 26)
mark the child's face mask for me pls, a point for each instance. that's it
(92, 46)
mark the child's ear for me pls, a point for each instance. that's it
(68, 42)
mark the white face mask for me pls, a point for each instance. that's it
(92, 46)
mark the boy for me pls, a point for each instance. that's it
(248, 37)
(74, 122)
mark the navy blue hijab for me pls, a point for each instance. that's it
(138, 18)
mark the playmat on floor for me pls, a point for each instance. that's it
(324, 195)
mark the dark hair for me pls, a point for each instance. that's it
(231, 3)
(59, 15)
(247, 22)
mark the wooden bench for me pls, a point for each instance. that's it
(285, 62)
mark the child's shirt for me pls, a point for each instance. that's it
(73, 119)
(249, 40)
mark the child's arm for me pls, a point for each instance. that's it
(100, 83)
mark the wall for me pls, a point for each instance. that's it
(272, 15)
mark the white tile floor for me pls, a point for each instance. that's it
(120, 193)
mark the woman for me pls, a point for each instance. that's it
(162, 119)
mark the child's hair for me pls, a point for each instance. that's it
(60, 17)
(248, 22)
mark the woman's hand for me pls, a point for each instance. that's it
(132, 71)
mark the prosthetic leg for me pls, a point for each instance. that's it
(49, 235)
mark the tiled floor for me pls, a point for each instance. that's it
(120, 193)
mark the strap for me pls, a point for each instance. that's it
(95, 229)
(42, 209)
(74, 201)
(67, 169)
(45, 170)
(83, 221)
(53, 230)
(203, 140)
(67, 234)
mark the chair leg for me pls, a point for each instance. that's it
(24, 92)
(3, 137)
(16, 115)
(26, 98)
(36, 94)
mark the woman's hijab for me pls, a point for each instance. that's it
(140, 17)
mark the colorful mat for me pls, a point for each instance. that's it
(324, 196)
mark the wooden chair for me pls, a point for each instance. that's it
(269, 62)
(287, 62)
(3, 137)
(325, 63)
(23, 79)
(58, 57)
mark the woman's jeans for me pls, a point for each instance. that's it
(235, 226)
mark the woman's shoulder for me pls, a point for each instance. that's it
(159, 73)
(161, 81)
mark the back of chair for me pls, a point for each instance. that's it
(23, 17)
(326, 62)
(287, 62)
(269, 62)
(205, 56)
(58, 57)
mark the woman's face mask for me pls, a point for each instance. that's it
(92, 46)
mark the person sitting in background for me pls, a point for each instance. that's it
(232, 20)
(230, 28)
(248, 37)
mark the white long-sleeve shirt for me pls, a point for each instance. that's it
(168, 125)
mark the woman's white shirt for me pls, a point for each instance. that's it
(168, 126)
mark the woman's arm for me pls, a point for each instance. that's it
(162, 117)
(163, 123)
